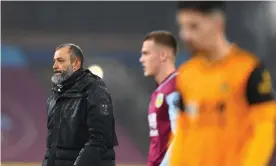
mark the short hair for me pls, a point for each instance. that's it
(164, 38)
(74, 50)
(202, 6)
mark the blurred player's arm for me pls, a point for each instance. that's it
(171, 99)
(262, 116)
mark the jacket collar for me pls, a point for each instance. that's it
(75, 83)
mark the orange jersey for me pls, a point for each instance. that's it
(216, 124)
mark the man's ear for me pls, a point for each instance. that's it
(76, 64)
(162, 55)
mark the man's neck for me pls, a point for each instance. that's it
(164, 72)
(220, 50)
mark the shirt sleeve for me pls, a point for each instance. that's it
(172, 100)
(259, 86)
(262, 114)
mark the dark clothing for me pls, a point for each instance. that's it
(70, 163)
(81, 126)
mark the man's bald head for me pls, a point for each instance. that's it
(68, 58)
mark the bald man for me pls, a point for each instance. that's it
(81, 125)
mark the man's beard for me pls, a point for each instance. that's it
(64, 75)
(191, 49)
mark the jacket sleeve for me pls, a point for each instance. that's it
(259, 149)
(100, 128)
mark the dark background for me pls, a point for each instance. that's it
(110, 34)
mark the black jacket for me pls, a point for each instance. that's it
(81, 127)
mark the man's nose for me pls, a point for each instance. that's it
(55, 66)
(185, 36)
(141, 59)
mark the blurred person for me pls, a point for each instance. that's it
(158, 60)
(227, 115)
(81, 127)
